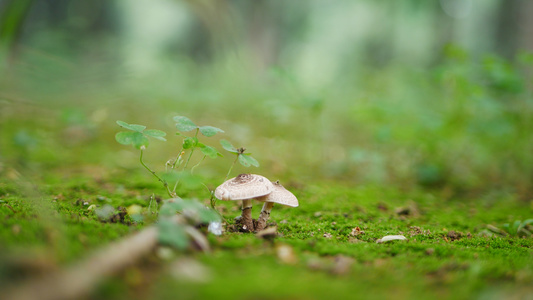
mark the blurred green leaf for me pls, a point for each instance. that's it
(172, 234)
(210, 151)
(193, 210)
(228, 146)
(138, 140)
(158, 134)
(189, 142)
(124, 138)
(184, 123)
(247, 160)
(134, 127)
(210, 130)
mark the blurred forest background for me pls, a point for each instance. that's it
(404, 92)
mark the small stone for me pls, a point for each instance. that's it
(388, 238)
(328, 235)
(342, 265)
(215, 228)
(286, 254)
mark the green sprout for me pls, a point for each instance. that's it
(178, 218)
(138, 138)
(191, 143)
(244, 159)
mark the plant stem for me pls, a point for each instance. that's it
(186, 163)
(177, 158)
(192, 169)
(165, 184)
(231, 168)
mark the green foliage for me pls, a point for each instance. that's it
(194, 211)
(172, 230)
(172, 234)
(228, 146)
(244, 158)
(185, 124)
(516, 229)
(190, 142)
(139, 136)
(209, 151)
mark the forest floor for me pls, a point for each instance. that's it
(325, 248)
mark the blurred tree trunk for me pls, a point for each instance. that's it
(216, 17)
(514, 26)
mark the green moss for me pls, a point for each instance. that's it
(444, 256)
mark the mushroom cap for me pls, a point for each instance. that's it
(280, 195)
(244, 186)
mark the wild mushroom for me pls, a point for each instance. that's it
(279, 195)
(245, 187)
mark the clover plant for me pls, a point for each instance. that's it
(178, 171)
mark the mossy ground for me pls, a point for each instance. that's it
(445, 256)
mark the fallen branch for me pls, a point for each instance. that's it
(79, 279)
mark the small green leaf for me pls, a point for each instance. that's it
(208, 215)
(134, 127)
(124, 138)
(138, 140)
(210, 130)
(193, 210)
(189, 142)
(243, 161)
(184, 123)
(228, 146)
(168, 208)
(247, 160)
(158, 134)
(172, 234)
(210, 151)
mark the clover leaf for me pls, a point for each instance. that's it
(244, 158)
(185, 124)
(138, 136)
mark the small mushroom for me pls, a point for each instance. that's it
(245, 187)
(280, 195)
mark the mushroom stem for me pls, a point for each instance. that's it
(247, 221)
(263, 217)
